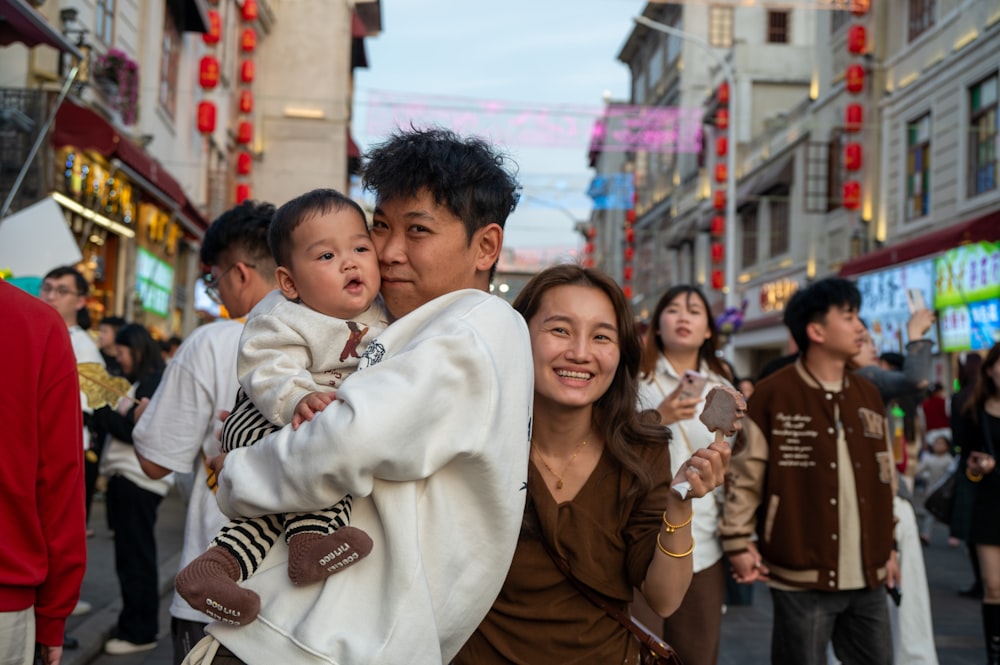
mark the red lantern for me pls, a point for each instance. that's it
(857, 38)
(718, 279)
(588, 248)
(855, 77)
(214, 32)
(206, 117)
(718, 226)
(719, 199)
(720, 173)
(851, 198)
(248, 41)
(852, 156)
(860, 7)
(723, 94)
(588, 262)
(242, 192)
(244, 162)
(853, 118)
(591, 232)
(246, 101)
(629, 235)
(249, 10)
(722, 118)
(246, 71)
(721, 146)
(629, 252)
(208, 72)
(630, 215)
(718, 253)
(627, 272)
(244, 132)
(627, 290)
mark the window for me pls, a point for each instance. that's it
(720, 26)
(105, 21)
(778, 205)
(748, 222)
(838, 19)
(983, 136)
(169, 63)
(835, 168)
(777, 27)
(921, 17)
(918, 167)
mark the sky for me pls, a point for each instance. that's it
(530, 75)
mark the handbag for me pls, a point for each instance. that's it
(653, 651)
(941, 495)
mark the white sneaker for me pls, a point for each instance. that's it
(82, 607)
(117, 647)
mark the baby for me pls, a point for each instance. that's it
(298, 346)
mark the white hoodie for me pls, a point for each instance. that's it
(431, 438)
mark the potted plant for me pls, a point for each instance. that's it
(118, 77)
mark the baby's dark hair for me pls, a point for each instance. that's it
(288, 217)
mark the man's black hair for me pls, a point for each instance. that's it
(287, 218)
(468, 176)
(243, 227)
(813, 303)
(115, 322)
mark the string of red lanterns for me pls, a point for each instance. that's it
(244, 131)
(718, 224)
(854, 82)
(628, 253)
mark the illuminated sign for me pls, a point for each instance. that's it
(970, 327)
(883, 302)
(967, 274)
(154, 282)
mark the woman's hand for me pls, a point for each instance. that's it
(920, 322)
(705, 470)
(980, 463)
(675, 408)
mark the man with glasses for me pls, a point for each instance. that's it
(181, 423)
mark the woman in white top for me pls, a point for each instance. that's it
(682, 337)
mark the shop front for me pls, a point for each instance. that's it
(763, 335)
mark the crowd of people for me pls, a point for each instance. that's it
(412, 470)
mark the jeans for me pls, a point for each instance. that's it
(857, 621)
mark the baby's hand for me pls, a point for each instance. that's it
(309, 406)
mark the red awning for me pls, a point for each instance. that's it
(352, 147)
(358, 28)
(986, 227)
(20, 22)
(82, 128)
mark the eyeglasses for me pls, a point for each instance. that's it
(212, 282)
(61, 291)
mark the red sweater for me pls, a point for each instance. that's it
(43, 547)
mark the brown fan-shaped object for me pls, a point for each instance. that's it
(100, 387)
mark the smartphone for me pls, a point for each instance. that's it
(895, 594)
(692, 383)
(915, 299)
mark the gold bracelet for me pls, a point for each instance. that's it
(974, 477)
(671, 554)
(673, 527)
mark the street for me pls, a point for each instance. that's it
(746, 630)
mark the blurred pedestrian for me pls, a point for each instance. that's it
(934, 464)
(959, 529)
(935, 409)
(44, 551)
(107, 328)
(132, 498)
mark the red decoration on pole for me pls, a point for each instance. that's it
(244, 132)
(630, 216)
(723, 94)
(248, 40)
(720, 172)
(627, 290)
(853, 117)
(627, 273)
(249, 10)
(860, 7)
(721, 146)
(629, 235)
(214, 32)
(246, 71)
(718, 279)
(719, 199)
(852, 156)
(857, 39)
(855, 77)
(208, 72)
(718, 253)
(588, 248)
(722, 118)
(242, 192)
(244, 162)
(629, 252)
(851, 198)
(718, 227)
(591, 232)
(206, 117)
(246, 101)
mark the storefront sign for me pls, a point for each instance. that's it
(967, 274)
(971, 327)
(154, 282)
(774, 295)
(883, 302)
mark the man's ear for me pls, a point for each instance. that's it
(816, 332)
(286, 283)
(488, 242)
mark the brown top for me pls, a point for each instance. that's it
(608, 540)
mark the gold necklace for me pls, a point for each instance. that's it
(559, 477)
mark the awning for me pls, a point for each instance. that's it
(82, 128)
(986, 227)
(352, 147)
(36, 239)
(778, 171)
(359, 57)
(20, 22)
(190, 15)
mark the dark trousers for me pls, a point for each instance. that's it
(695, 629)
(185, 634)
(857, 622)
(132, 516)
